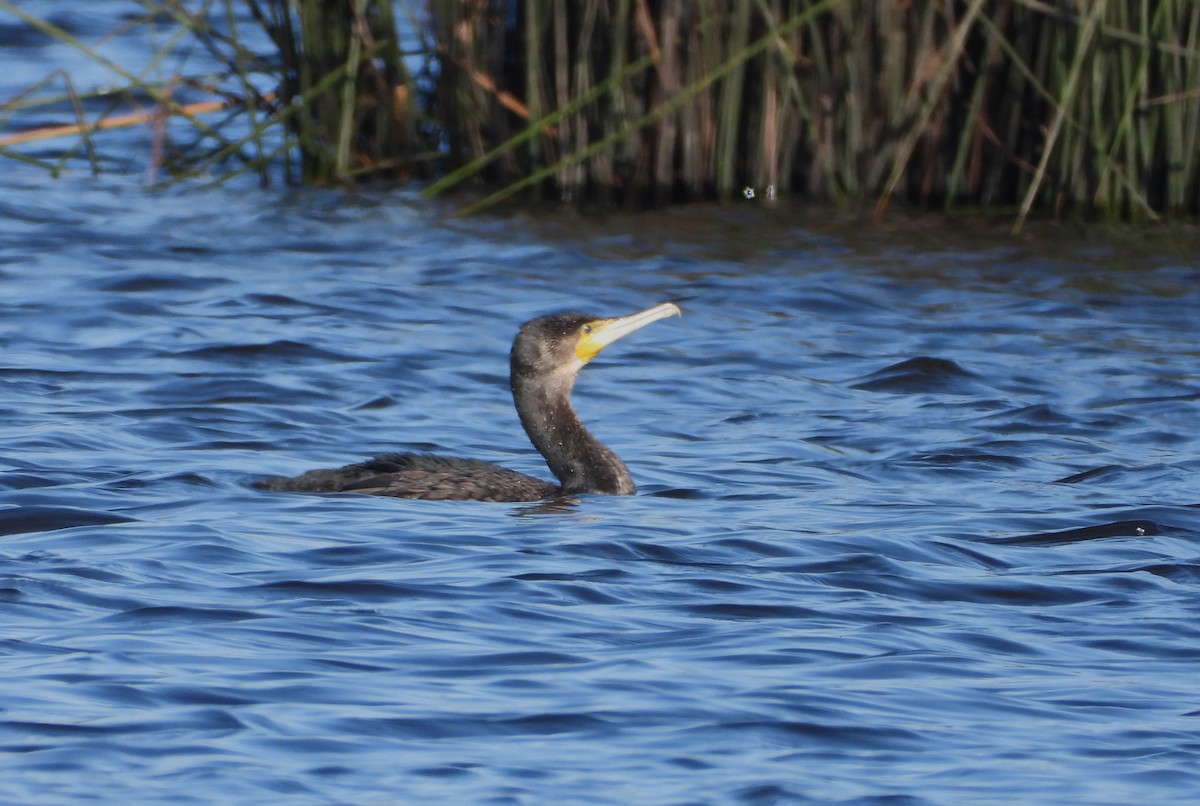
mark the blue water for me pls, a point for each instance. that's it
(918, 521)
(918, 514)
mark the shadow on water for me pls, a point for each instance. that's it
(1139, 528)
(19, 519)
(922, 374)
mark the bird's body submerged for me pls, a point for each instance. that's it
(546, 357)
(420, 475)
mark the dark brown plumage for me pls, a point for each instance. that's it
(546, 357)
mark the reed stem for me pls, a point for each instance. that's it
(1037, 106)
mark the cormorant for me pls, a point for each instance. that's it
(546, 356)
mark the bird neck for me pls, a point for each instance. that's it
(580, 461)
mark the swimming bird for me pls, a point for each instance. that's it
(546, 357)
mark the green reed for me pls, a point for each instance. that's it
(333, 102)
(1023, 106)
(999, 104)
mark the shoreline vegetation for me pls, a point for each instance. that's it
(1022, 107)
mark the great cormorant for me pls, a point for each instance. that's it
(546, 356)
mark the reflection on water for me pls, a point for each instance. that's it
(918, 513)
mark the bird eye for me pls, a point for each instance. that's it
(587, 328)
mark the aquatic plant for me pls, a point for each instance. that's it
(1016, 105)
(319, 88)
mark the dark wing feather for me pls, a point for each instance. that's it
(417, 475)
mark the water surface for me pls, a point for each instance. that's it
(918, 513)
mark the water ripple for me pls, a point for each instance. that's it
(918, 522)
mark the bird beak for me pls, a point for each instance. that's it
(599, 334)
